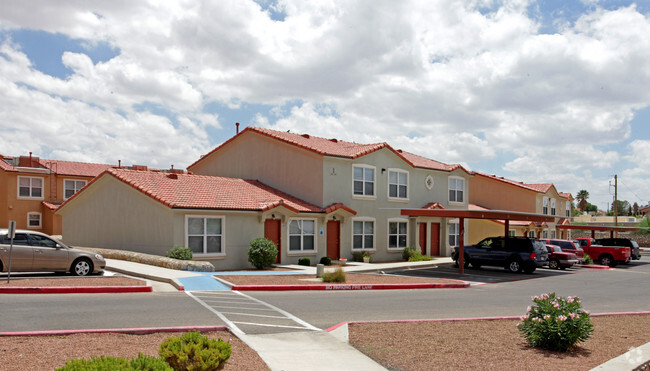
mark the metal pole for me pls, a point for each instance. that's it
(12, 233)
(616, 203)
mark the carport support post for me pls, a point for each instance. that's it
(507, 224)
(461, 244)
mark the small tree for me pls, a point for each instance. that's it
(262, 253)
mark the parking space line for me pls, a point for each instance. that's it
(268, 325)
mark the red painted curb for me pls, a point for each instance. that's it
(471, 319)
(134, 331)
(344, 287)
(593, 266)
(75, 290)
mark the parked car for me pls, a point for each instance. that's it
(635, 251)
(567, 246)
(513, 253)
(605, 254)
(558, 259)
(37, 252)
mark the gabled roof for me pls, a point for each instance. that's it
(72, 168)
(539, 188)
(188, 191)
(338, 148)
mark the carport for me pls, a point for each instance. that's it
(463, 214)
(594, 228)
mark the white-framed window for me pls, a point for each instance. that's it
(363, 180)
(553, 233)
(545, 233)
(545, 206)
(512, 233)
(205, 234)
(531, 234)
(553, 206)
(456, 189)
(398, 181)
(34, 220)
(568, 209)
(302, 235)
(453, 233)
(30, 187)
(72, 186)
(363, 234)
(397, 233)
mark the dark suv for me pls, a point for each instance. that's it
(513, 253)
(635, 253)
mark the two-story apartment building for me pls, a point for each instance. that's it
(312, 196)
(491, 192)
(32, 188)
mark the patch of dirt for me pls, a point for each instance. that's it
(51, 352)
(72, 281)
(491, 344)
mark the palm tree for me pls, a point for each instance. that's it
(582, 197)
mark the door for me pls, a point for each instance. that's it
(423, 238)
(47, 256)
(21, 255)
(334, 239)
(272, 232)
(435, 239)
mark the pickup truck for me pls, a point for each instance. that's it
(605, 255)
(635, 253)
(512, 253)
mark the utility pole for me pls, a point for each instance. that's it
(615, 204)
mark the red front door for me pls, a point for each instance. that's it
(435, 239)
(423, 238)
(272, 232)
(334, 239)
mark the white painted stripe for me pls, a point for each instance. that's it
(266, 325)
(236, 330)
(228, 301)
(285, 313)
(227, 307)
(254, 315)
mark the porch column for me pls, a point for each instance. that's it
(507, 224)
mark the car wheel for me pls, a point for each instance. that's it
(82, 267)
(530, 269)
(606, 260)
(514, 265)
(553, 264)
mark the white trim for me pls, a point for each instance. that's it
(545, 205)
(568, 209)
(374, 182)
(85, 182)
(302, 251)
(545, 233)
(223, 235)
(455, 222)
(374, 234)
(30, 197)
(390, 198)
(40, 220)
(426, 182)
(396, 220)
(553, 207)
(464, 190)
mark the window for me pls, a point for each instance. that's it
(531, 234)
(34, 220)
(545, 206)
(364, 180)
(553, 206)
(205, 234)
(398, 184)
(453, 234)
(545, 233)
(363, 234)
(397, 234)
(553, 233)
(302, 235)
(30, 187)
(456, 189)
(512, 233)
(71, 187)
(568, 209)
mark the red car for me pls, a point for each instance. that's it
(567, 246)
(558, 259)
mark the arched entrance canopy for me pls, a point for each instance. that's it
(462, 214)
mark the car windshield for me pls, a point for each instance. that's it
(635, 244)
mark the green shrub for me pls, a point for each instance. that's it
(193, 351)
(357, 256)
(555, 323)
(104, 363)
(337, 276)
(179, 252)
(588, 259)
(645, 225)
(304, 261)
(409, 252)
(325, 260)
(262, 253)
(419, 257)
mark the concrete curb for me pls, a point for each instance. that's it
(344, 287)
(75, 290)
(134, 331)
(172, 281)
(593, 266)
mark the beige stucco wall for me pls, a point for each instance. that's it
(497, 195)
(291, 169)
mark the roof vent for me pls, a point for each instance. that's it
(399, 150)
(172, 176)
(334, 140)
(305, 136)
(139, 167)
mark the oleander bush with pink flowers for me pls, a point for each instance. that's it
(555, 323)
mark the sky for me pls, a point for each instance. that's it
(548, 91)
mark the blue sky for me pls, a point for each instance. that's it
(536, 91)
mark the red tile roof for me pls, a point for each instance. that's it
(338, 206)
(433, 205)
(338, 148)
(72, 168)
(4, 165)
(540, 188)
(188, 191)
(518, 223)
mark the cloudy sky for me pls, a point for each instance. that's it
(537, 91)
